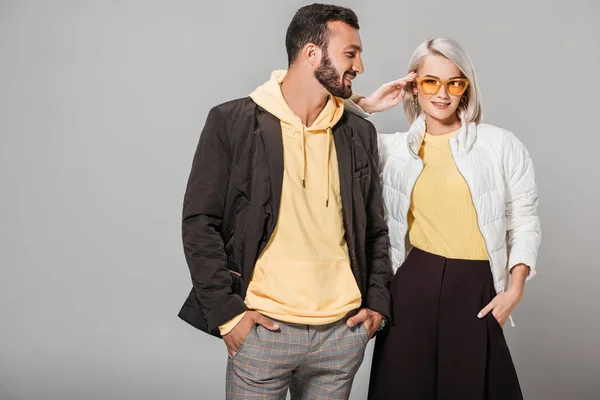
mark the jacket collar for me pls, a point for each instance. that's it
(462, 142)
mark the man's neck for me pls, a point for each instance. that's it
(306, 97)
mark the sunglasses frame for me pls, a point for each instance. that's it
(443, 83)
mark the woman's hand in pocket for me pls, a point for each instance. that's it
(502, 305)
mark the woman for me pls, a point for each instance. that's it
(462, 196)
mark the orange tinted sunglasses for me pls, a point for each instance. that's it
(455, 86)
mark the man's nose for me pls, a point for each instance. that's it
(358, 66)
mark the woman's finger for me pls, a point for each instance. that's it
(486, 309)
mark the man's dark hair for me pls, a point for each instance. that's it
(309, 25)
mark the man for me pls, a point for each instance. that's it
(283, 224)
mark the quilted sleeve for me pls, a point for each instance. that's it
(522, 221)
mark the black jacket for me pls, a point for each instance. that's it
(232, 201)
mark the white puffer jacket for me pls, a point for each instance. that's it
(501, 179)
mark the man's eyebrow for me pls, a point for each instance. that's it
(353, 47)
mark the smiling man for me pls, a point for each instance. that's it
(283, 224)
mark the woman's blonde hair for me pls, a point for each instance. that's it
(453, 51)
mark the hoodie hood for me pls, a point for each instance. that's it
(269, 97)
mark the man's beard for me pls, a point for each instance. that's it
(331, 79)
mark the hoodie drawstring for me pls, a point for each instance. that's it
(303, 138)
(329, 133)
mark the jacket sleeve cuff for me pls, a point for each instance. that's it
(351, 105)
(379, 303)
(226, 308)
(517, 257)
(232, 323)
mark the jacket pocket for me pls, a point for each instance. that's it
(362, 181)
(362, 172)
(236, 281)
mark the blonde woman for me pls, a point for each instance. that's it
(461, 203)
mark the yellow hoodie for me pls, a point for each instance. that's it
(303, 275)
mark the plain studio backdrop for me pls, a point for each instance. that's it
(101, 106)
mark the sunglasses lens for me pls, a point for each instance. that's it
(430, 86)
(456, 87)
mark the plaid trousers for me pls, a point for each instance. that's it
(312, 361)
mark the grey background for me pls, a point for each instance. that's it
(101, 105)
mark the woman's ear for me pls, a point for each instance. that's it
(464, 101)
(412, 88)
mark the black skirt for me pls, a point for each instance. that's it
(436, 347)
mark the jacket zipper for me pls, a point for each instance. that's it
(477, 217)
(412, 189)
(510, 318)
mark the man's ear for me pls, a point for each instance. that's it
(313, 54)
